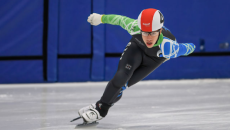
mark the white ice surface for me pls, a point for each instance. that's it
(149, 105)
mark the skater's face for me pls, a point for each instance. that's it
(150, 38)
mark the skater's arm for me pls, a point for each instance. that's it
(125, 22)
(172, 49)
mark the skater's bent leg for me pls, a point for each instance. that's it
(112, 91)
(120, 94)
(114, 87)
(147, 67)
(130, 60)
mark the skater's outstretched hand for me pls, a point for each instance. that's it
(94, 19)
(172, 49)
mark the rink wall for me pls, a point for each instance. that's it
(51, 41)
(21, 41)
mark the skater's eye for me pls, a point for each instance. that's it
(151, 33)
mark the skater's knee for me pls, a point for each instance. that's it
(120, 79)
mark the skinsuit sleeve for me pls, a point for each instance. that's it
(126, 23)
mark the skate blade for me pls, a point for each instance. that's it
(86, 125)
(75, 119)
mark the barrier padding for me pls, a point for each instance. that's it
(74, 30)
(52, 41)
(193, 67)
(111, 65)
(98, 64)
(74, 70)
(21, 71)
(21, 27)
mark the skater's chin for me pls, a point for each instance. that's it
(149, 44)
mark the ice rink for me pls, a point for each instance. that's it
(148, 105)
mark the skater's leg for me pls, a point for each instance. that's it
(120, 94)
(130, 60)
(148, 65)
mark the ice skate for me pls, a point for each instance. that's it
(85, 109)
(89, 115)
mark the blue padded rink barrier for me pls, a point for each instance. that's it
(201, 104)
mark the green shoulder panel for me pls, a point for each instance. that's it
(125, 22)
(160, 40)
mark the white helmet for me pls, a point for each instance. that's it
(150, 20)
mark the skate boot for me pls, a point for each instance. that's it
(92, 115)
(85, 109)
